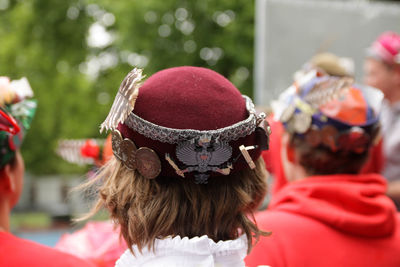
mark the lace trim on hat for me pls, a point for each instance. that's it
(174, 136)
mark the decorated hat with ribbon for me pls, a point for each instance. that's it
(330, 111)
(386, 48)
(184, 122)
(19, 108)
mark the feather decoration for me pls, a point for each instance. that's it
(124, 101)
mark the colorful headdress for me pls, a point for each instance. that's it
(184, 122)
(330, 111)
(19, 110)
(386, 48)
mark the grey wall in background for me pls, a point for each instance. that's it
(290, 32)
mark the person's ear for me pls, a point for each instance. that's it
(7, 182)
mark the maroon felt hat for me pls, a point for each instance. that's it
(185, 122)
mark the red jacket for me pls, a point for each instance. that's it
(333, 220)
(17, 252)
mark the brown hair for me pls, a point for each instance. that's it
(322, 161)
(149, 209)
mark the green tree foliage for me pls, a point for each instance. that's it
(76, 53)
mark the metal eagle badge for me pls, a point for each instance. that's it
(203, 154)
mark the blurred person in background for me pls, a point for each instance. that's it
(382, 70)
(186, 171)
(99, 241)
(16, 113)
(321, 64)
(329, 214)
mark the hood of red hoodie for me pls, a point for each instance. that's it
(354, 204)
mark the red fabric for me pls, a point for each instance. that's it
(272, 157)
(337, 220)
(107, 150)
(17, 252)
(273, 161)
(90, 149)
(350, 107)
(190, 98)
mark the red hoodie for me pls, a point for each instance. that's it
(333, 220)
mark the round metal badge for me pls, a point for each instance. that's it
(128, 153)
(116, 139)
(148, 163)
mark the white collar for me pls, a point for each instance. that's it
(196, 251)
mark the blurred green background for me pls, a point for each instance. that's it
(76, 53)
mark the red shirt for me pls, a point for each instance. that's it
(17, 252)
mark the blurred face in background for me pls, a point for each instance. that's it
(383, 77)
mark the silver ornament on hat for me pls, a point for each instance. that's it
(203, 154)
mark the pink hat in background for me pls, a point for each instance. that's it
(386, 48)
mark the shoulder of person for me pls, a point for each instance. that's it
(16, 251)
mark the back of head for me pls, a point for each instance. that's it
(332, 122)
(187, 160)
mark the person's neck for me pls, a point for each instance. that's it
(4, 217)
(294, 172)
(297, 173)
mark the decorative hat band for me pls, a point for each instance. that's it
(200, 151)
(182, 152)
(174, 136)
